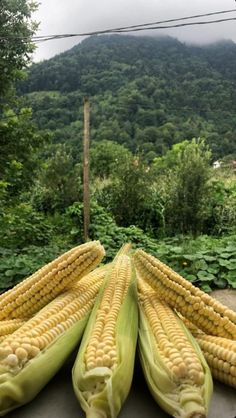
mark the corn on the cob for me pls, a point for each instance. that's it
(192, 328)
(33, 354)
(9, 326)
(103, 369)
(29, 296)
(207, 313)
(219, 352)
(175, 369)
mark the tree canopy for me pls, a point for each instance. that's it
(146, 93)
(16, 47)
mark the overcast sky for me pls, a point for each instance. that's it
(73, 16)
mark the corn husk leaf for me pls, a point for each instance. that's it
(107, 402)
(19, 389)
(163, 387)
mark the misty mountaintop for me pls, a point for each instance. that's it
(128, 57)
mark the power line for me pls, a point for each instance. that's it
(152, 23)
(139, 29)
(181, 25)
(127, 29)
(178, 19)
(50, 38)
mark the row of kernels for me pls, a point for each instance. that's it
(222, 342)
(217, 351)
(224, 377)
(169, 353)
(37, 283)
(44, 331)
(174, 276)
(9, 326)
(227, 329)
(173, 332)
(106, 318)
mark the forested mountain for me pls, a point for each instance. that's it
(146, 93)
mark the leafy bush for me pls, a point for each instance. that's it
(207, 262)
(128, 196)
(15, 265)
(105, 156)
(59, 182)
(189, 166)
(104, 228)
(222, 206)
(22, 226)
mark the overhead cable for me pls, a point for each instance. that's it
(127, 29)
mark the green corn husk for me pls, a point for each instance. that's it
(179, 398)
(20, 389)
(108, 398)
(19, 386)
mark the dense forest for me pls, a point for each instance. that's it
(146, 93)
(161, 113)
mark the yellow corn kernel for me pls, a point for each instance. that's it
(7, 327)
(220, 353)
(22, 301)
(201, 309)
(174, 367)
(103, 369)
(31, 355)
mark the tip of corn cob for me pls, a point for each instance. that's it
(36, 291)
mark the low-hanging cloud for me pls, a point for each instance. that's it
(73, 16)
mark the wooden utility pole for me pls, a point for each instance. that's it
(86, 193)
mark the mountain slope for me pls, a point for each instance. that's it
(146, 93)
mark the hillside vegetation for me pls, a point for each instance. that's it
(146, 93)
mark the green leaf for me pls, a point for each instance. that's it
(232, 264)
(206, 288)
(223, 263)
(225, 255)
(191, 278)
(231, 278)
(200, 265)
(190, 257)
(209, 258)
(220, 250)
(205, 276)
(213, 270)
(229, 264)
(177, 250)
(20, 263)
(9, 273)
(221, 283)
(230, 249)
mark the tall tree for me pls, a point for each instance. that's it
(19, 139)
(190, 171)
(18, 152)
(16, 30)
